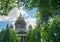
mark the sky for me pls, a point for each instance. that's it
(14, 13)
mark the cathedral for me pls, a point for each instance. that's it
(21, 29)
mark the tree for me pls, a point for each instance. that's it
(6, 37)
(55, 26)
(2, 33)
(33, 36)
(13, 36)
(10, 36)
(6, 6)
(51, 32)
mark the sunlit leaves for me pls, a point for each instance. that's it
(51, 32)
(34, 36)
(6, 6)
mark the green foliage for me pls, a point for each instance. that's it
(13, 36)
(51, 32)
(6, 6)
(10, 36)
(45, 30)
(33, 36)
(48, 33)
(2, 33)
(55, 30)
(7, 35)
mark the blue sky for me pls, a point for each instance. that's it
(31, 14)
(3, 24)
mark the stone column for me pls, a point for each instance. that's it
(23, 39)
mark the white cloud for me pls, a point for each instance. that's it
(3, 18)
(31, 21)
(15, 12)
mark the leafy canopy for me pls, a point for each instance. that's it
(6, 6)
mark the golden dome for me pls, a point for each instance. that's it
(20, 19)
